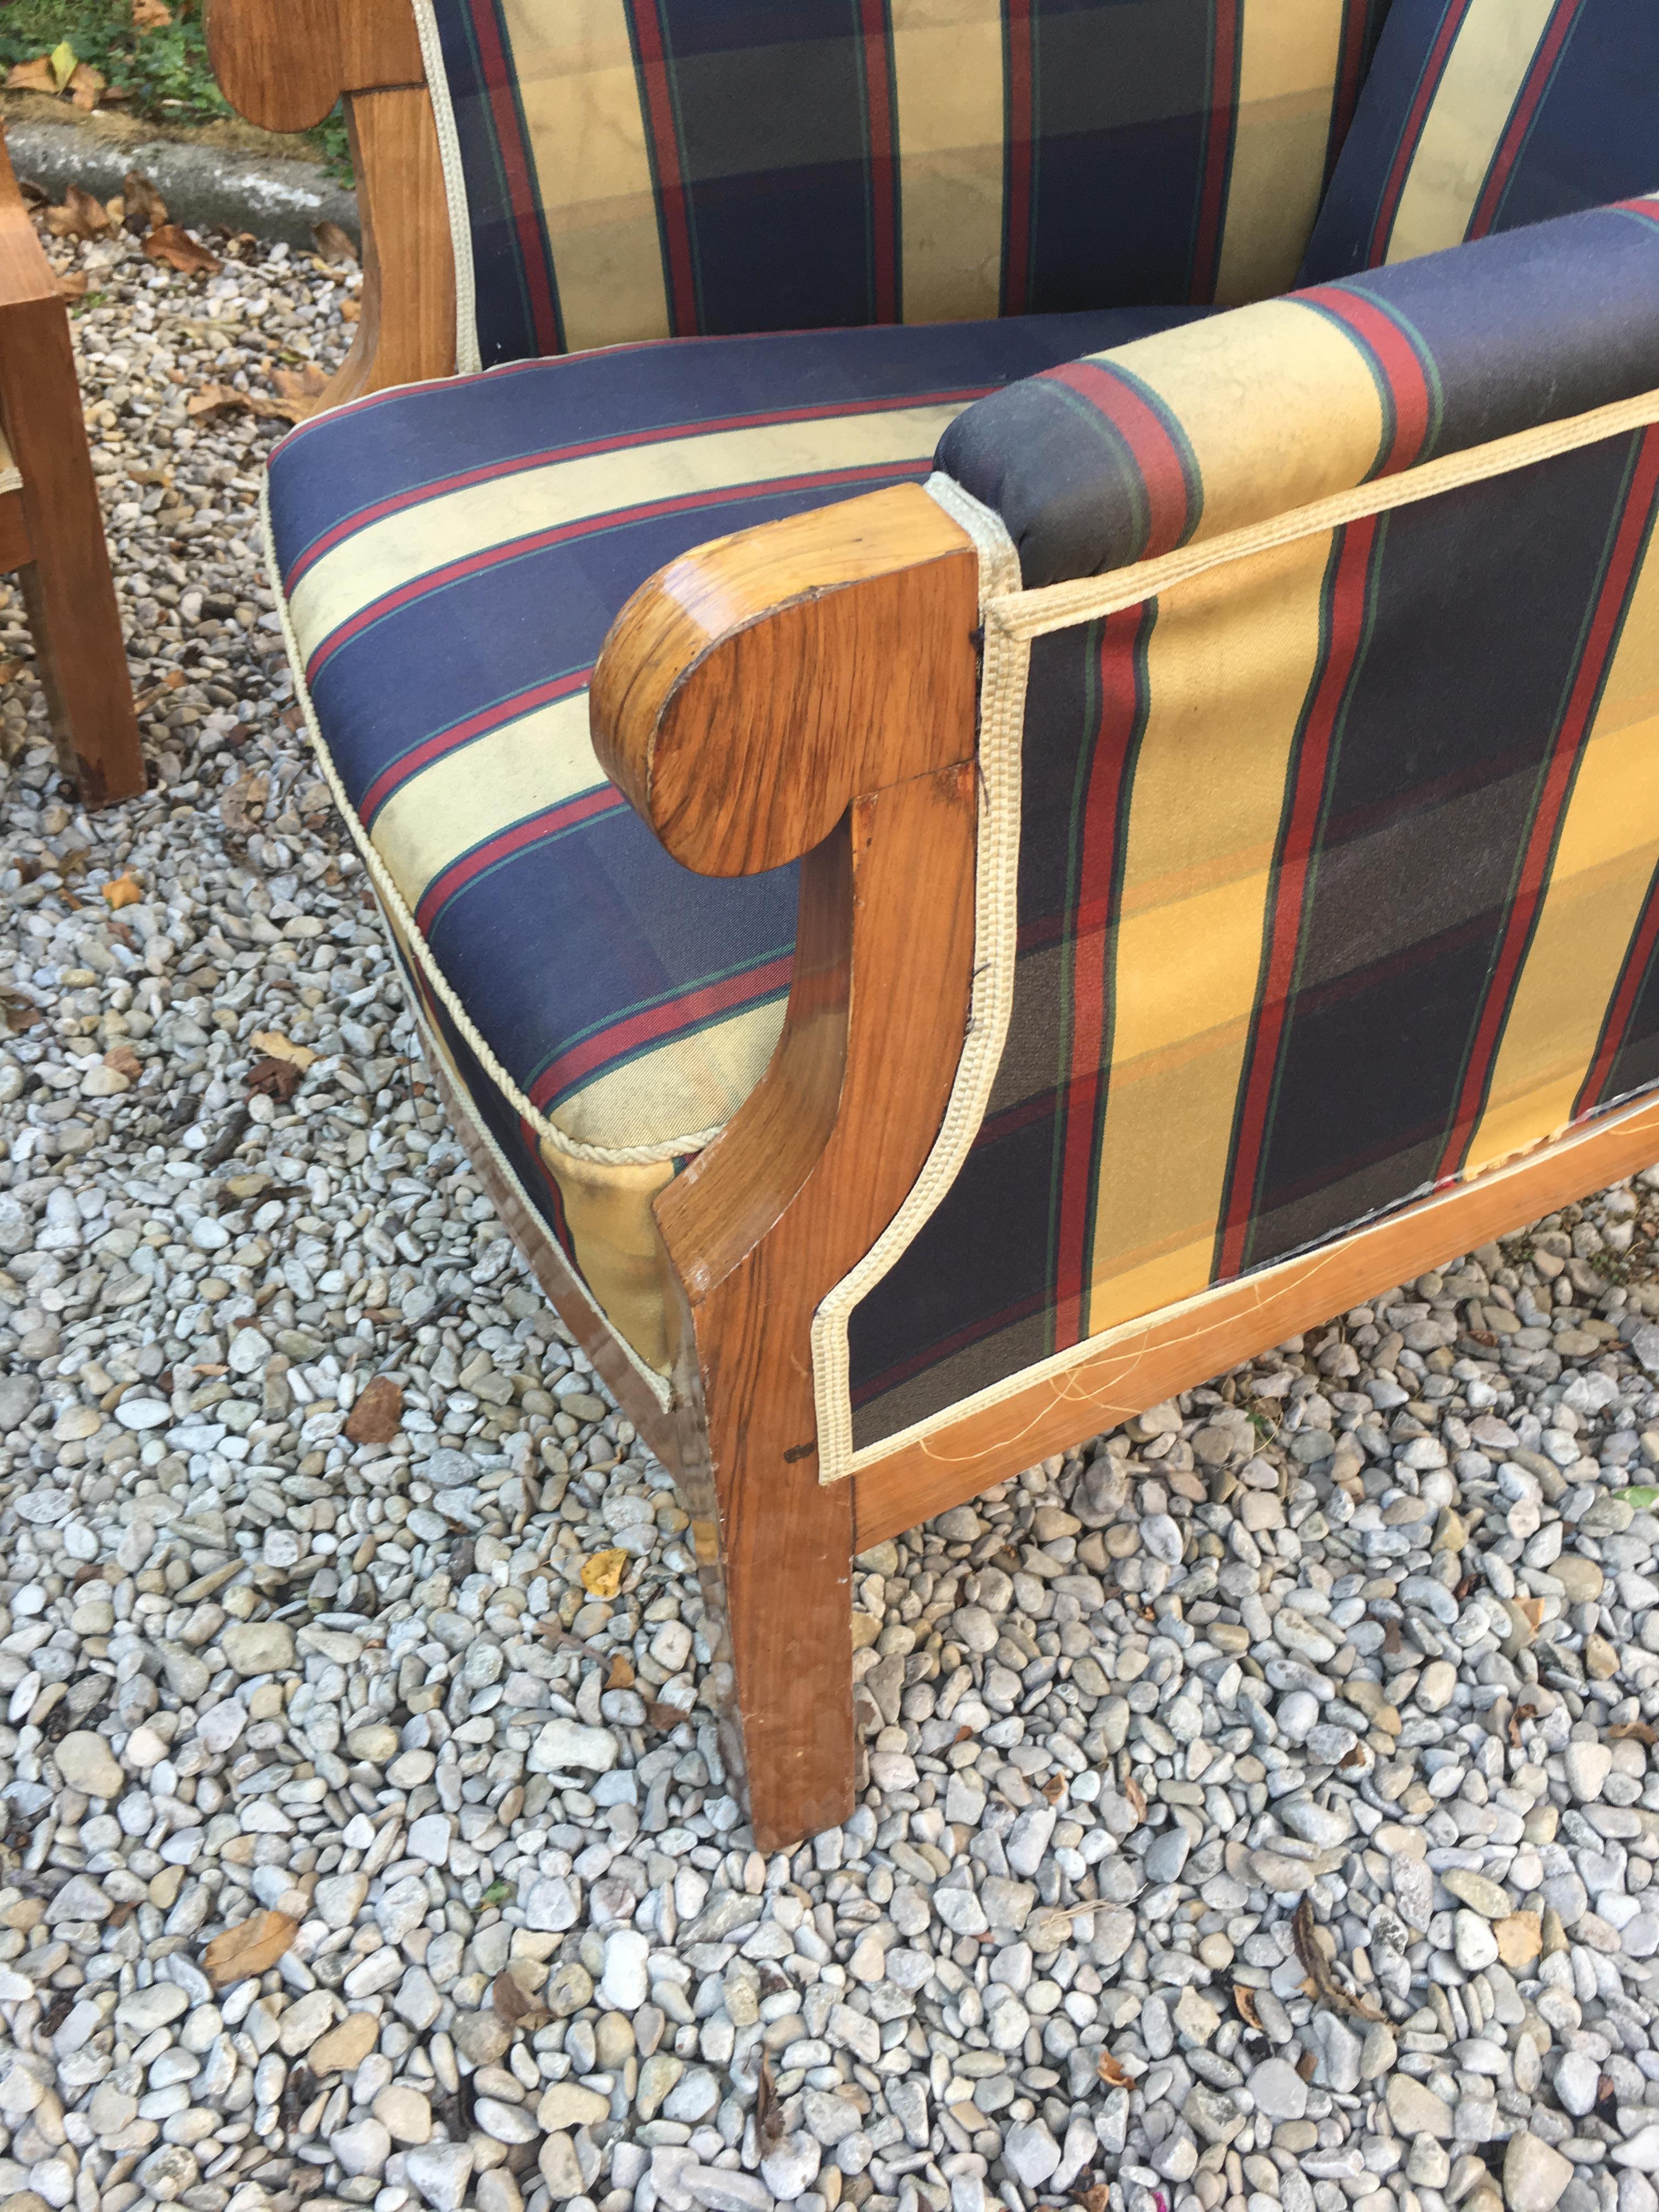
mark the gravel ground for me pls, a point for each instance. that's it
(1260, 1812)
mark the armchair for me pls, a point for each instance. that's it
(930, 964)
(51, 530)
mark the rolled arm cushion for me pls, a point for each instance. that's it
(1181, 436)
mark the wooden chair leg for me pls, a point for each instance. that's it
(67, 588)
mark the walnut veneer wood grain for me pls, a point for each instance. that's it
(849, 621)
(283, 64)
(1143, 1362)
(54, 535)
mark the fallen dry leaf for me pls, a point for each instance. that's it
(125, 891)
(1136, 1796)
(212, 398)
(377, 1414)
(769, 2109)
(620, 1676)
(72, 284)
(169, 243)
(10, 669)
(350, 310)
(32, 76)
(18, 1012)
(236, 806)
(508, 2002)
(282, 1048)
(1632, 1732)
(659, 1714)
(86, 87)
(334, 244)
(280, 1078)
(124, 1061)
(249, 1948)
(602, 1574)
(142, 208)
(65, 62)
(80, 216)
(1109, 2071)
(1245, 1999)
(151, 15)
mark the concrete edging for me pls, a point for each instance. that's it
(272, 196)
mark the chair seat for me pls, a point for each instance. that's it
(452, 556)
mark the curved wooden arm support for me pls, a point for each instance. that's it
(749, 691)
(807, 687)
(284, 64)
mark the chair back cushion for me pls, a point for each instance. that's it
(629, 169)
(1480, 115)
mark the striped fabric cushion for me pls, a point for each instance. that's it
(1189, 434)
(1338, 868)
(452, 556)
(629, 169)
(1480, 115)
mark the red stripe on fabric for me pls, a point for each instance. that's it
(1020, 132)
(1217, 149)
(398, 772)
(708, 1002)
(621, 441)
(1574, 728)
(1612, 1040)
(1398, 361)
(1411, 134)
(1534, 87)
(1350, 75)
(1152, 448)
(883, 158)
(1090, 1009)
(673, 208)
(453, 879)
(523, 194)
(1346, 629)
(1649, 209)
(538, 541)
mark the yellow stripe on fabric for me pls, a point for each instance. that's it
(1288, 55)
(581, 98)
(948, 67)
(1603, 864)
(1487, 66)
(456, 525)
(696, 1080)
(1230, 664)
(481, 788)
(1277, 401)
(619, 1255)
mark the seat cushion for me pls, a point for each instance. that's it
(451, 557)
(1480, 115)
(634, 169)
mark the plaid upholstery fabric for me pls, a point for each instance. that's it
(1186, 435)
(1339, 880)
(452, 556)
(642, 168)
(1480, 115)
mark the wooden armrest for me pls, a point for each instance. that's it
(284, 63)
(751, 691)
(25, 271)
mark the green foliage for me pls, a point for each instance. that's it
(164, 72)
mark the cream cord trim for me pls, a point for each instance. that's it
(1012, 621)
(11, 479)
(572, 1147)
(996, 881)
(1057, 606)
(467, 358)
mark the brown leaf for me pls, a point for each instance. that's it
(212, 398)
(1109, 2071)
(32, 76)
(377, 1414)
(280, 1078)
(1054, 1788)
(125, 891)
(1632, 1732)
(659, 1714)
(19, 1013)
(72, 284)
(10, 670)
(299, 394)
(169, 243)
(236, 806)
(768, 2110)
(620, 1676)
(1244, 2002)
(333, 244)
(602, 1574)
(143, 209)
(282, 1048)
(124, 1061)
(350, 310)
(1136, 1796)
(1305, 2065)
(1521, 1713)
(80, 216)
(249, 1948)
(151, 15)
(86, 87)
(509, 2002)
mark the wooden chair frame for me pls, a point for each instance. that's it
(50, 529)
(808, 691)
